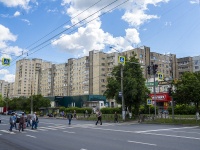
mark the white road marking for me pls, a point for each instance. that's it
(3, 124)
(142, 143)
(42, 130)
(31, 130)
(0, 134)
(184, 137)
(68, 132)
(5, 131)
(83, 149)
(186, 132)
(48, 128)
(31, 136)
(167, 129)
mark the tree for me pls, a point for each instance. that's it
(188, 89)
(135, 91)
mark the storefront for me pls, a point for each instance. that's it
(162, 100)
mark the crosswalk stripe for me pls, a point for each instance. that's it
(31, 130)
(5, 131)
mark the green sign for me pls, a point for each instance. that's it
(5, 61)
(149, 101)
(150, 84)
(121, 60)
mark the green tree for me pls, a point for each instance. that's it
(188, 89)
(135, 91)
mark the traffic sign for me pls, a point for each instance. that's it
(121, 60)
(149, 101)
(6, 61)
(120, 94)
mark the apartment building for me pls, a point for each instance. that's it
(27, 76)
(196, 63)
(185, 64)
(6, 89)
(97, 72)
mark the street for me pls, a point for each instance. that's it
(56, 134)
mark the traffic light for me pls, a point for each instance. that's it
(149, 70)
(170, 91)
(155, 68)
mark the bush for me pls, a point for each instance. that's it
(109, 110)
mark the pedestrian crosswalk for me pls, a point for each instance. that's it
(54, 127)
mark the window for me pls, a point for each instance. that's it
(196, 67)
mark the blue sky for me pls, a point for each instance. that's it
(56, 30)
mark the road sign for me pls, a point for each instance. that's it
(6, 61)
(160, 76)
(121, 60)
(120, 94)
(149, 101)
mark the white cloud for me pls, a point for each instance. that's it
(4, 72)
(6, 35)
(195, 1)
(93, 37)
(17, 13)
(9, 78)
(16, 3)
(26, 21)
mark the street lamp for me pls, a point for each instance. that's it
(122, 90)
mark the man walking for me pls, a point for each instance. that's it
(22, 122)
(34, 121)
(70, 116)
(99, 114)
(28, 120)
(116, 117)
(11, 120)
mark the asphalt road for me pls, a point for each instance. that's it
(56, 134)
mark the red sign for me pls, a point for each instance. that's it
(162, 97)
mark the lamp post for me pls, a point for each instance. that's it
(122, 90)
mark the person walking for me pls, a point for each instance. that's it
(69, 116)
(22, 122)
(99, 117)
(34, 121)
(116, 117)
(28, 120)
(11, 120)
(15, 120)
(75, 114)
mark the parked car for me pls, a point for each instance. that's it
(10, 112)
(19, 114)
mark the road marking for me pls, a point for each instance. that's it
(0, 134)
(5, 131)
(31, 130)
(42, 129)
(68, 132)
(48, 128)
(83, 149)
(142, 143)
(31, 136)
(186, 132)
(184, 137)
(166, 129)
(3, 124)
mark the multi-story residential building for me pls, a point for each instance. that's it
(27, 76)
(185, 64)
(196, 63)
(97, 72)
(6, 89)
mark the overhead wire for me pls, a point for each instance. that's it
(66, 30)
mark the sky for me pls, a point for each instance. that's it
(56, 30)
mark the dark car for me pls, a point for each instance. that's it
(10, 112)
(19, 114)
(0, 119)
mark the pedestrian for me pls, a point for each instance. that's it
(22, 122)
(37, 121)
(15, 120)
(86, 113)
(34, 121)
(99, 117)
(75, 114)
(11, 120)
(28, 120)
(69, 116)
(115, 117)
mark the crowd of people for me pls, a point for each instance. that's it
(32, 121)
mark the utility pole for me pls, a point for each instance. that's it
(31, 100)
(122, 90)
(155, 69)
(171, 86)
